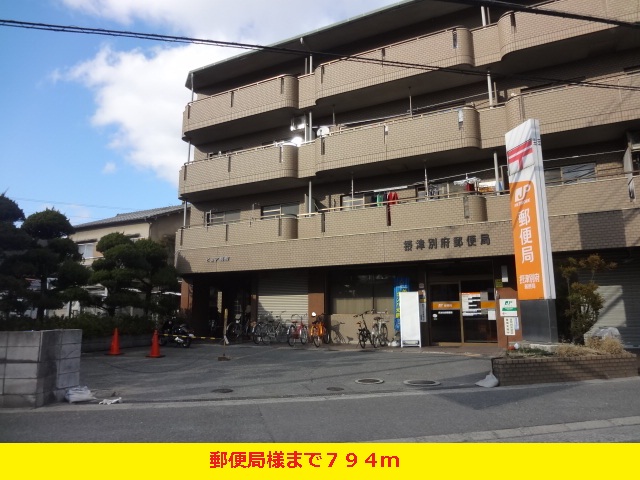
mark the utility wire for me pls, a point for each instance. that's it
(299, 52)
(550, 13)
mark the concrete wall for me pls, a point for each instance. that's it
(36, 368)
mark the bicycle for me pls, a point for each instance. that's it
(364, 334)
(379, 331)
(297, 330)
(269, 329)
(319, 332)
(234, 329)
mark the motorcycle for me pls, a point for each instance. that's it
(178, 333)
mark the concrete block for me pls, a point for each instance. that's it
(67, 380)
(49, 367)
(69, 366)
(20, 401)
(70, 350)
(23, 353)
(20, 386)
(21, 370)
(50, 347)
(24, 339)
(4, 339)
(3, 353)
(71, 336)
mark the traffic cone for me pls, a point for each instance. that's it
(115, 344)
(155, 346)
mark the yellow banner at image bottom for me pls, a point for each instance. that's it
(316, 460)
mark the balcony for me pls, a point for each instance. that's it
(570, 108)
(566, 111)
(382, 143)
(521, 30)
(271, 100)
(451, 47)
(588, 215)
(265, 168)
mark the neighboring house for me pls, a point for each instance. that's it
(158, 224)
(374, 159)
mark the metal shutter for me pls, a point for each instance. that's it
(621, 290)
(283, 293)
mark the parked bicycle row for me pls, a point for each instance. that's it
(272, 328)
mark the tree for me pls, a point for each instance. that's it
(13, 288)
(133, 273)
(39, 266)
(584, 302)
(49, 258)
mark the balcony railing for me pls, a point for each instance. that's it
(447, 48)
(520, 30)
(263, 164)
(378, 233)
(269, 95)
(396, 138)
(573, 107)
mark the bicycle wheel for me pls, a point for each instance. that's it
(384, 335)
(326, 335)
(314, 335)
(362, 339)
(257, 333)
(233, 332)
(291, 335)
(374, 336)
(304, 335)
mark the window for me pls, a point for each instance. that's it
(584, 172)
(355, 201)
(87, 250)
(280, 210)
(353, 292)
(220, 218)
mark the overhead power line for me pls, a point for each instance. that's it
(543, 11)
(300, 52)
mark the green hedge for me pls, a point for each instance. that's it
(90, 324)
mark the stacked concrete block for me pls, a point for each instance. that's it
(37, 367)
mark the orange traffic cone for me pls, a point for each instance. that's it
(115, 344)
(155, 346)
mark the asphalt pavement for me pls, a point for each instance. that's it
(277, 393)
(214, 372)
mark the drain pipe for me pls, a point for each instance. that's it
(489, 88)
(484, 16)
(184, 214)
(309, 199)
(426, 183)
(496, 172)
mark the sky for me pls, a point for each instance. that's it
(90, 125)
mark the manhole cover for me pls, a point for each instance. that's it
(222, 390)
(335, 389)
(421, 383)
(369, 381)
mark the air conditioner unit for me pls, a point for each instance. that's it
(323, 131)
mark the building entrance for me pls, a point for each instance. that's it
(462, 311)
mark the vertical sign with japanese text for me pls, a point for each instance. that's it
(529, 217)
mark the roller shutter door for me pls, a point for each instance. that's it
(621, 291)
(283, 293)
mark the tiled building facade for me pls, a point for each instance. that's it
(333, 167)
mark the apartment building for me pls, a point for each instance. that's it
(333, 169)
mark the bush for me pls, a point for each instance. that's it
(91, 325)
(594, 346)
(608, 345)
